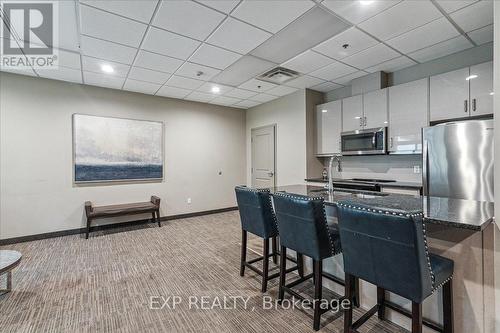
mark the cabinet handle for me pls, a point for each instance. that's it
(465, 106)
(392, 142)
(360, 121)
(365, 121)
(474, 104)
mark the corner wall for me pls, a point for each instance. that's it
(496, 109)
(37, 194)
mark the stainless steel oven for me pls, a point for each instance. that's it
(371, 141)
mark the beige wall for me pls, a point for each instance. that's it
(36, 190)
(496, 63)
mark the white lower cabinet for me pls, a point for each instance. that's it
(408, 113)
(328, 128)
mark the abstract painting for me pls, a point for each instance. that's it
(115, 149)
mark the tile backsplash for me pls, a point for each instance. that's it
(396, 167)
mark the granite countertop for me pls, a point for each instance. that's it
(456, 213)
(381, 184)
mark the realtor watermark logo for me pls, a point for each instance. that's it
(30, 31)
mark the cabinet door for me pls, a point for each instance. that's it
(375, 108)
(408, 113)
(328, 128)
(352, 113)
(481, 89)
(449, 95)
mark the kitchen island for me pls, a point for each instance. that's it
(457, 229)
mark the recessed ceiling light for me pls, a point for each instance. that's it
(366, 2)
(324, 111)
(471, 77)
(107, 68)
(492, 93)
(215, 89)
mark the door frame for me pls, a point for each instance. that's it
(274, 127)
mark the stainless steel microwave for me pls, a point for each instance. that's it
(371, 141)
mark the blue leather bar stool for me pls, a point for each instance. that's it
(388, 248)
(303, 228)
(257, 217)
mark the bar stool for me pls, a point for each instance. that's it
(303, 228)
(257, 217)
(388, 248)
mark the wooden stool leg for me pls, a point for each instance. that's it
(281, 293)
(300, 264)
(381, 303)
(318, 292)
(265, 265)
(275, 250)
(158, 217)
(416, 320)
(243, 252)
(448, 307)
(348, 295)
(153, 214)
(88, 229)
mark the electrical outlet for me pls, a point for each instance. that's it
(416, 169)
(189, 200)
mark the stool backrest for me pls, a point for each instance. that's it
(302, 225)
(386, 248)
(256, 211)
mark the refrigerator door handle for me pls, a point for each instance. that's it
(465, 106)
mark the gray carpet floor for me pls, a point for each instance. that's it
(115, 281)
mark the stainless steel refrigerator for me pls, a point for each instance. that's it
(458, 160)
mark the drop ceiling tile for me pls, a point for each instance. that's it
(312, 28)
(69, 59)
(141, 86)
(200, 97)
(221, 100)
(334, 70)
(106, 50)
(238, 36)
(307, 62)
(346, 80)
(442, 49)
(103, 80)
(184, 82)
(257, 85)
(357, 11)
(392, 65)
(271, 15)
(96, 23)
(225, 6)
(214, 56)
(475, 16)
(401, 18)
(207, 88)
(281, 91)
(187, 18)
(240, 93)
(424, 36)
(304, 82)
(137, 10)
(482, 35)
(326, 87)
(355, 38)
(247, 104)
(68, 31)
(453, 5)
(263, 97)
(157, 62)
(62, 74)
(371, 57)
(173, 92)
(94, 65)
(169, 44)
(193, 71)
(244, 69)
(148, 75)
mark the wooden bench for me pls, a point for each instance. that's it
(152, 207)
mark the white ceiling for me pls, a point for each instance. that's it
(183, 48)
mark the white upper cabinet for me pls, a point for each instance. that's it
(375, 108)
(449, 95)
(352, 113)
(481, 89)
(408, 113)
(328, 128)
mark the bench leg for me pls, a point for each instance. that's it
(158, 217)
(88, 229)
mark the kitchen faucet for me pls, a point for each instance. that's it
(337, 158)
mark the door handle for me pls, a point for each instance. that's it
(474, 104)
(465, 106)
(270, 174)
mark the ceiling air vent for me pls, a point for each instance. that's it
(279, 75)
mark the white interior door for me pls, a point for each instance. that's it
(263, 156)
